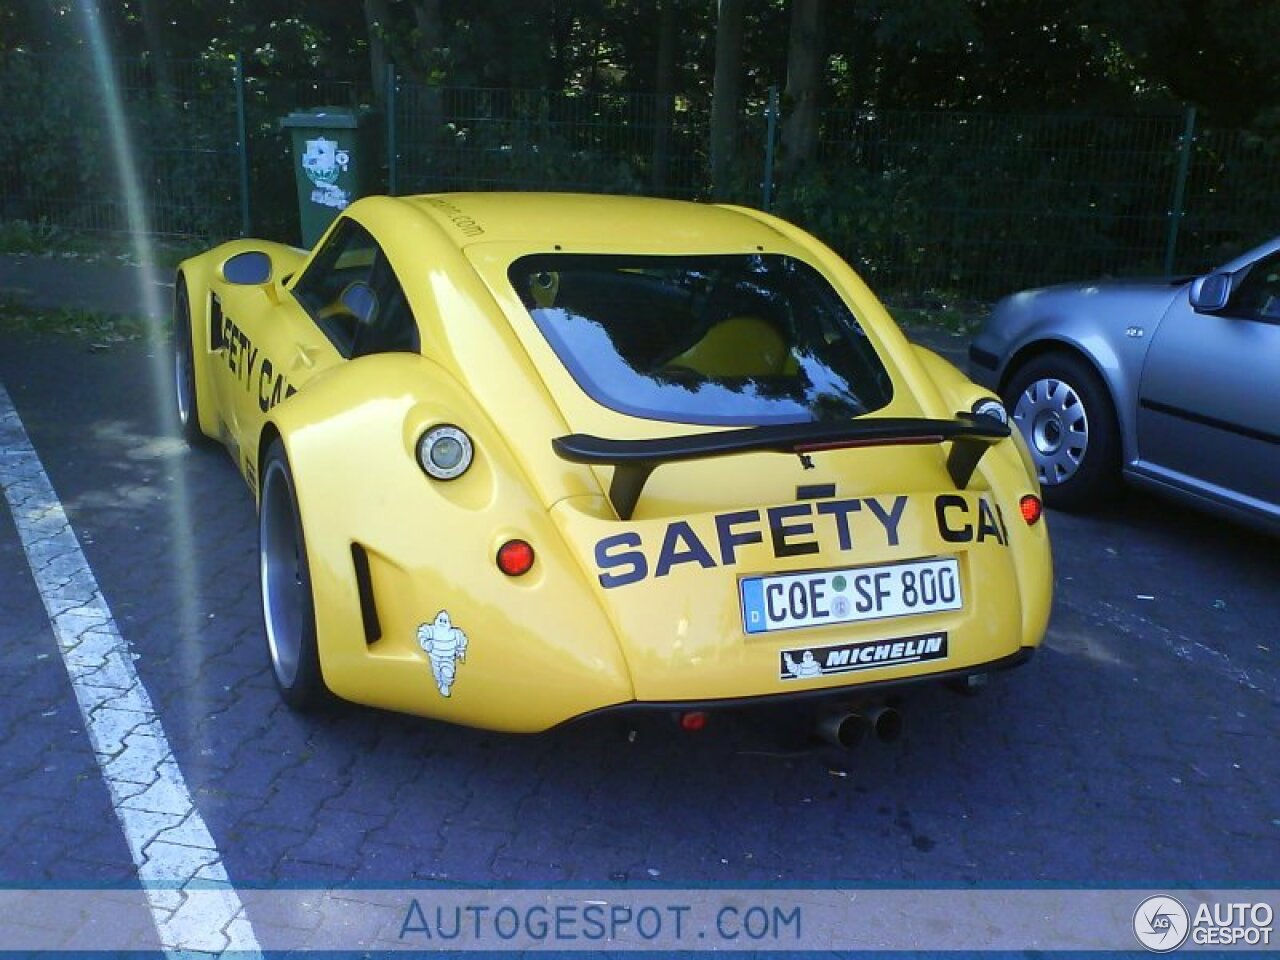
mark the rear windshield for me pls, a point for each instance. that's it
(724, 339)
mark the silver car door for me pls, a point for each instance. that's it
(1209, 400)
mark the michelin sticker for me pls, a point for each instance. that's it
(807, 667)
(322, 162)
(445, 645)
(810, 662)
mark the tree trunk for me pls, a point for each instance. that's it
(557, 76)
(804, 76)
(664, 89)
(377, 21)
(155, 30)
(725, 95)
(426, 17)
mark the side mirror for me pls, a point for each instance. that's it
(250, 269)
(1210, 294)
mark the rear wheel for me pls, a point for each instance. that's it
(184, 371)
(1065, 413)
(288, 612)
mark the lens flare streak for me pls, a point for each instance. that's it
(187, 879)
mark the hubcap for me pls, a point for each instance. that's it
(280, 564)
(1055, 424)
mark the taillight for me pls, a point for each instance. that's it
(1031, 508)
(515, 558)
(693, 721)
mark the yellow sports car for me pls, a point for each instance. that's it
(523, 457)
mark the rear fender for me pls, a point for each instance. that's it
(1009, 471)
(539, 649)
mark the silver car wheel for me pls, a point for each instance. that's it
(184, 372)
(1054, 422)
(284, 591)
(182, 377)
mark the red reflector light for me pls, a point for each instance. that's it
(515, 557)
(693, 721)
(1031, 508)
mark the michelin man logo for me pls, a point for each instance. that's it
(322, 162)
(806, 668)
(445, 645)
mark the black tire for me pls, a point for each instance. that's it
(186, 402)
(284, 578)
(1067, 417)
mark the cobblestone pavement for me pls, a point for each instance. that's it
(56, 824)
(1137, 748)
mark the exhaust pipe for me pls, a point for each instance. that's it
(842, 729)
(886, 722)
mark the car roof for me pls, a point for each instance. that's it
(587, 221)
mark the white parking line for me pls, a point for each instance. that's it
(192, 902)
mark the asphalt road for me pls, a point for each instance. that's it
(1138, 747)
(52, 282)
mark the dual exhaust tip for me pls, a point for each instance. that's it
(847, 729)
(842, 728)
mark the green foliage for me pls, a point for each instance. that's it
(965, 148)
(1233, 194)
(926, 202)
(99, 330)
(520, 139)
(37, 156)
(92, 246)
(1219, 54)
(884, 54)
(25, 236)
(56, 151)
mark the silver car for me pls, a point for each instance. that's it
(1173, 385)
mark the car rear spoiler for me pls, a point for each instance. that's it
(634, 460)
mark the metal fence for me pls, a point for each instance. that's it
(971, 204)
(1232, 187)
(478, 139)
(56, 164)
(935, 207)
(976, 204)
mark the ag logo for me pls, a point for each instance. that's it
(1161, 924)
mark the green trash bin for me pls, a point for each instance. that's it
(333, 162)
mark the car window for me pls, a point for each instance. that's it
(723, 339)
(1257, 295)
(354, 296)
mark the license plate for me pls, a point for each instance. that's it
(792, 600)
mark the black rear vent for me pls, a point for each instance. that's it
(364, 586)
